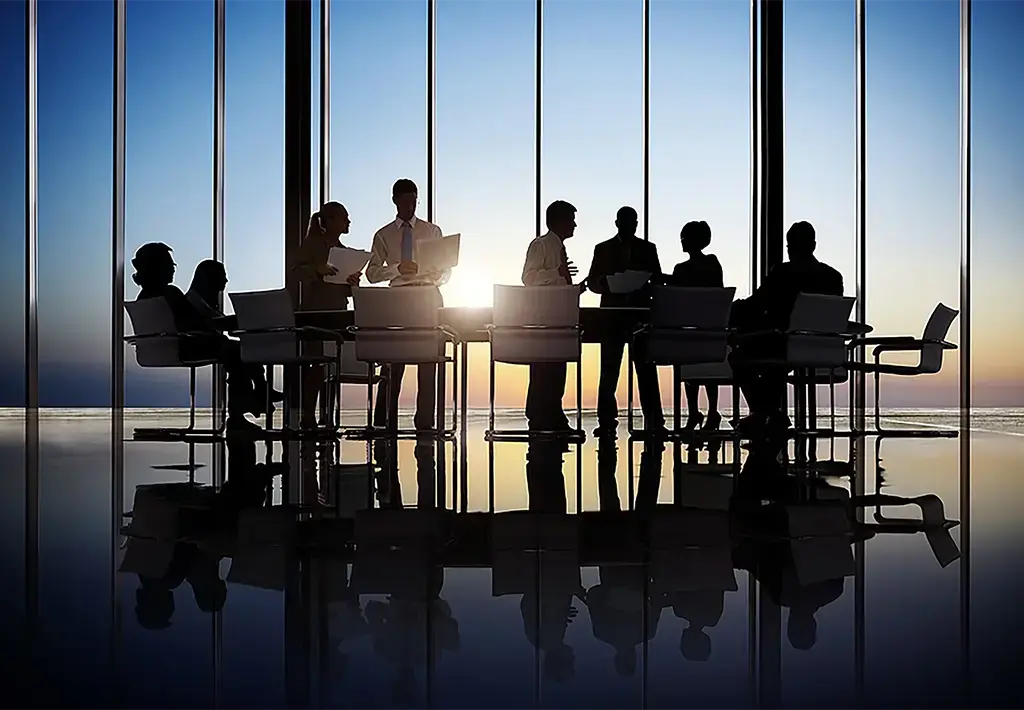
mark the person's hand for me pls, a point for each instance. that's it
(353, 279)
(327, 270)
(571, 268)
(408, 268)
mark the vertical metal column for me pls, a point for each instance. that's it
(965, 342)
(31, 322)
(431, 110)
(857, 393)
(218, 208)
(647, 119)
(755, 145)
(117, 333)
(325, 101)
(538, 209)
(297, 159)
(773, 136)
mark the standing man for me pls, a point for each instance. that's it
(625, 251)
(393, 259)
(547, 264)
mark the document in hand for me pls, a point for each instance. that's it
(347, 262)
(628, 281)
(438, 254)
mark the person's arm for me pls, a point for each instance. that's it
(719, 273)
(376, 271)
(203, 308)
(537, 271)
(657, 276)
(597, 278)
(306, 268)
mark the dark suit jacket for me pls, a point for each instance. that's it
(773, 301)
(617, 255)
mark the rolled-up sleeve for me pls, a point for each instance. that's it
(376, 271)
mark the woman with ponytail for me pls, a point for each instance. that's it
(323, 234)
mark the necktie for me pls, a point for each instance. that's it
(406, 241)
(565, 262)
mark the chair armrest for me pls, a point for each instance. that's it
(303, 330)
(809, 333)
(908, 345)
(132, 339)
(492, 328)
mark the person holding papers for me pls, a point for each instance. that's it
(393, 259)
(699, 271)
(625, 252)
(312, 268)
(547, 264)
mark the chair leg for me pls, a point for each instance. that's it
(191, 398)
(676, 400)
(490, 384)
(878, 408)
(579, 394)
(629, 389)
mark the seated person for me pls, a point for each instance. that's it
(323, 234)
(204, 295)
(768, 308)
(154, 272)
(699, 271)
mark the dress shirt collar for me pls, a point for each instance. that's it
(412, 222)
(556, 236)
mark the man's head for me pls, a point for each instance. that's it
(695, 236)
(695, 645)
(802, 629)
(404, 194)
(334, 219)
(626, 221)
(800, 240)
(154, 265)
(560, 218)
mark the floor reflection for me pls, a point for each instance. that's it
(609, 575)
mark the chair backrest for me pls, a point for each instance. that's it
(937, 328)
(405, 307)
(412, 314)
(551, 306)
(264, 310)
(815, 313)
(679, 307)
(554, 313)
(153, 317)
(351, 365)
(688, 325)
(827, 315)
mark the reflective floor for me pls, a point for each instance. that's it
(392, 584)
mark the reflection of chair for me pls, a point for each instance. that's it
(535, 325)
(689, 330)
(158, 345)
(931, 346)
(268, 335)
(399, 326)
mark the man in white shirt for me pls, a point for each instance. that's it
(392, 259)
(548, 265)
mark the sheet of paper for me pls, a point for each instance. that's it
(347, 262)
(628, 281)
(438, 254)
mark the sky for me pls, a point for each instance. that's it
(591, 146)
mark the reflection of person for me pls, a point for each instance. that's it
(547, 264)
(700, 270)
(393, 259)
(154, 599)
(625, 251)
(702, 609)
(311, 267)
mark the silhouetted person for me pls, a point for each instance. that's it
(700, 270)
(322, 234)
(769, 307)
(547, 264)
(205, 294)
(393, 259)
(625, 252)
(154, 599)
(154, 273)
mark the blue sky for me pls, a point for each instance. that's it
(591, 151)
